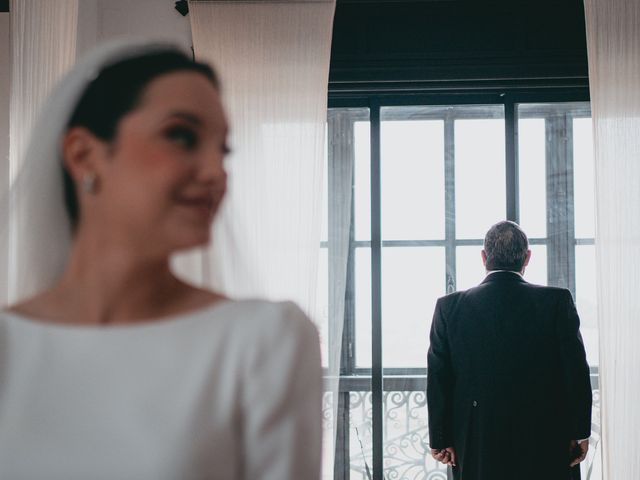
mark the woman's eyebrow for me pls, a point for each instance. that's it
(186, 116)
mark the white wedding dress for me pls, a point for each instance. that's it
(228, 392)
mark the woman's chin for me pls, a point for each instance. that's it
(194, 240)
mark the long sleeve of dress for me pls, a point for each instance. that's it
(282, 401)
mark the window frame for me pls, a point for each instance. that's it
(353, 378)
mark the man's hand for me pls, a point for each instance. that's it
(444, 455)
(577, 452)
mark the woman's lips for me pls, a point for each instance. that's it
(203, 205)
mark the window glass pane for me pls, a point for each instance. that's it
(479, 175)
(536, 271)
(469, 267)
(412, 280)
(362, 180)
(363, 307)
(532, 177)
(586, 299)
(322, 303)
(412, 177)
(583, 183)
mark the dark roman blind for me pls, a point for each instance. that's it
(395, 45)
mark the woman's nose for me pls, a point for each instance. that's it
(211, 168)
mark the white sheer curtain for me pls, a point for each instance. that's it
(613, 40)
(43, 43)
(273, 60)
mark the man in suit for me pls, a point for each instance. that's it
(508, 389)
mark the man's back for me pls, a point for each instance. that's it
(508, 382)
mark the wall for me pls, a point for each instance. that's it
(100, 20)
(97, 20)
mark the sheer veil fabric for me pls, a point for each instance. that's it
(613, 43)
(37, 232)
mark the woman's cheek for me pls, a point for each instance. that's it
(173, 170)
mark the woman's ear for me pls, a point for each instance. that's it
(81, 152)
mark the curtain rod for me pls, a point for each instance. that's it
(261, 1)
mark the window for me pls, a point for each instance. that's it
(557, 201)
(442, 174)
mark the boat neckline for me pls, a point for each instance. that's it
(142, 324)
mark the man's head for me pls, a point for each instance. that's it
(506, 247)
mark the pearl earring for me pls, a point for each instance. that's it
(89, 183)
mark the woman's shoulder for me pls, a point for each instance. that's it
(266, 315)
(257, 314)
(279, 333)
(271, 329)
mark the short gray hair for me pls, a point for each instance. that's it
(506, 247)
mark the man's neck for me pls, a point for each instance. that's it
(489, 272)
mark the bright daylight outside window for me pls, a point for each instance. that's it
(443, 183)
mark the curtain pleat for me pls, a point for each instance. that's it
(43, 45)
(613, 41)
(273, 61)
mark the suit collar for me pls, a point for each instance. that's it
(503, 275)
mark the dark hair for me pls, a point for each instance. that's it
(506, 247)
(117, 91)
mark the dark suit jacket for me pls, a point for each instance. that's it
(508, 383)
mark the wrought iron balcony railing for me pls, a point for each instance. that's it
(406, 430)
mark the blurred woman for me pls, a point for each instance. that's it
(118, 369)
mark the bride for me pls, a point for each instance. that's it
(115, 368)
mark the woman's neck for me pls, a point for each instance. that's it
(113, 286)
(108, 281)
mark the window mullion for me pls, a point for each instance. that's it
(340, 171)
(376, 296)
(340, 186)
(559, 193)
(342, 463)
(349, 329)
(450, 203)
(511, 158)
(570, 206)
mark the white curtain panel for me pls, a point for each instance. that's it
(273, 61)
(43, 45)
(613, 40)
